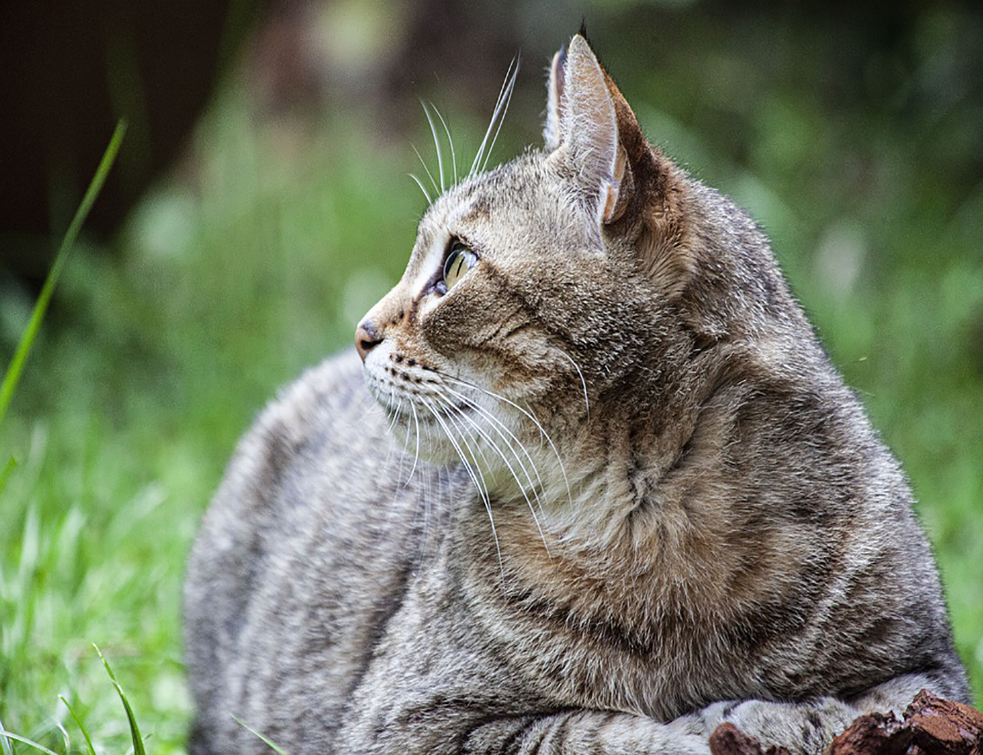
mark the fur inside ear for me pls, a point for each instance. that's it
(554, 96)
(616, 198)
(582, 123)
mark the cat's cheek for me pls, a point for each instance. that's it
(447, 332)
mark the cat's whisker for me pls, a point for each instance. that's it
(433, 181)
(370, 405)
(542, 436)
(509, 82)
(452, 411)
(482, 490)
(528, 414)
(395, 411)
(391, 416)
(583, 383)
(419, 183)
(491, 442)
(496, 424)
(433, 488)
(416, 454)
(501, 119)
(436, 144)
(455, 410)
(400, 457)
(450, 140)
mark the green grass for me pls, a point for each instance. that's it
(228, 283)
(13, 372)
(141, 381)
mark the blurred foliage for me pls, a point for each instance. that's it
(856, 140)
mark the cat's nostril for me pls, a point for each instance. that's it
(367, 337)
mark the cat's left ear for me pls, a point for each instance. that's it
(582, 129)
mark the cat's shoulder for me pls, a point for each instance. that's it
(325, 414)
(326, 400)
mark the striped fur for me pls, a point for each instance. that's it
(603, 494)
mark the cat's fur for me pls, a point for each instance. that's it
(699, 525)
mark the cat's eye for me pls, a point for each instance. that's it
(459, 261)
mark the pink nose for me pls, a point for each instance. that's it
(366, 338)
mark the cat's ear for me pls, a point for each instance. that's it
(581, 126)
(640, 195)
(581, 129)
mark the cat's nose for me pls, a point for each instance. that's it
(366, 338)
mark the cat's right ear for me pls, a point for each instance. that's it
(581, 126)
(637, 192)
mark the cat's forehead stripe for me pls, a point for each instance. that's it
(480, 209)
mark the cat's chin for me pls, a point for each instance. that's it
(425, 441)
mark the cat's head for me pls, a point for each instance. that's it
(551, 297)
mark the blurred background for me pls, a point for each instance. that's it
(261, 204)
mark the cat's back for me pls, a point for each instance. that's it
(308, 546)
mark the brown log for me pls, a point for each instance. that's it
(931, 726)
(727, 739)
(944, 727)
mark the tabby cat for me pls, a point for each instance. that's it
(629, 497)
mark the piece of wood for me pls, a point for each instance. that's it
(727, 739)
(931, 726)
(872, 734)
(943, 726)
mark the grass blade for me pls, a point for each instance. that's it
(16, 366)
(78, 722)
(6, 736)
(138, 748)
(5, 473)
(255, 733)
(5, 747)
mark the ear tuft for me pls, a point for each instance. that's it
(582, 32)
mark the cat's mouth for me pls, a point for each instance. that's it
(431, 410)
(430, 425)
(408, 399)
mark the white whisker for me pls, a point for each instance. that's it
(436, 144)
(482, 492)
(416, 454)
(501, 119)
(420, 184)
(535, 421)
(450, 140)
(433, 181)
(491, 442)
(496, 423)
(507, 85)
(391, 415)
(370, 405)
(477, 446)
(583, 383)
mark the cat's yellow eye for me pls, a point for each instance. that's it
(459, 261)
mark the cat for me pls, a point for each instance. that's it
(629, 496)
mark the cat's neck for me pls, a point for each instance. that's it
(590, 484)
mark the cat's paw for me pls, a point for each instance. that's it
(799, 727)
